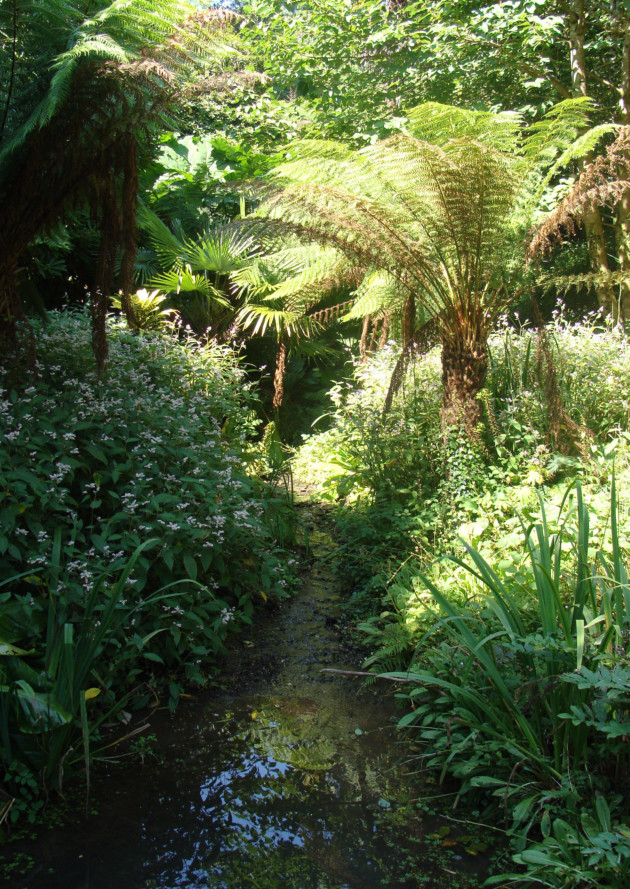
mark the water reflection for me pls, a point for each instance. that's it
(278, 784)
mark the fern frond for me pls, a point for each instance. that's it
(558, 130)
(377, 294)
(589, 281)
(437, 124)
(606, 180)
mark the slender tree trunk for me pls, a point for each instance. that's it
(365, 332)
(464, 371)
(408, 338)
(17, 352)
(372, 344)
(278, 379)
(129, 245)
(104, 279)
(11, 310)
(622, 226)
(593, 225)
(384, 332)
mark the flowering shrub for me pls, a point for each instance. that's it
(151, 456)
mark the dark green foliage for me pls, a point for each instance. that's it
(132, 539)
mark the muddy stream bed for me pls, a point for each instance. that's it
(286, 777)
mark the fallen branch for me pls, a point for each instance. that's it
(372, 675)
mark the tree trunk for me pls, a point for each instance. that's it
(11, 310)
(363, 342)
(408, 330)
(128, 225)
(464, 370)
(104, 278)
(382, 340)
(278, 379)
(17, 351)
(622, 225)
(592, 217)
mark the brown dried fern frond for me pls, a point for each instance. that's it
(604, 181)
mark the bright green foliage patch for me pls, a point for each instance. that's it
(501, 570)
(133, 540)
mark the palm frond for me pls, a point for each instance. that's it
(169, 246)
(261, 317)
(185, 281)
(221, 250)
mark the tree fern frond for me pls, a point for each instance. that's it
(582, 147)
(589, 281)
(606, 180)
(558, 129)
(437, 124)
(377, 294)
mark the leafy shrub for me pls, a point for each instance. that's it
(523, 697)
(137, 483)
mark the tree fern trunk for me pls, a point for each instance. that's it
(11, 310)
(278, 380)
(110, 238)
(382, 340)
(128, 220)
(408, 330)
(363, 342)
(464, 370)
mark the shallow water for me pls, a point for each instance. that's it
(287, 778)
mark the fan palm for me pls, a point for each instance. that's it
(286, 292)
(196, 279)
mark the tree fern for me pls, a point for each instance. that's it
(438, 124)
(438, 213)
(435, 217)
(84, 80)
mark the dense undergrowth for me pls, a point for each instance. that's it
(134, 539)
(493, 577)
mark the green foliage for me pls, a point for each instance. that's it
(133, 541)
(81, 35)
(525, 693)
(516, 653)
(190, 178)
(346, 66)
(196, 282)
(148, 309)
(584, 855)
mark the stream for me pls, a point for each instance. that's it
(286, 776)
